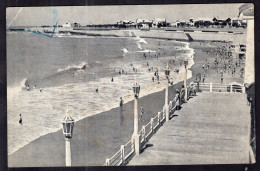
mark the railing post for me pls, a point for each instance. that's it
(210, 87)
(122, 154)
(143, 128)
(159, 118)
(243, 89)
(107, 162)
(152, 125)
(231, 88)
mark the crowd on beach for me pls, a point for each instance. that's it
(224, 64)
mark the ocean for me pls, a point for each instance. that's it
(69, 69)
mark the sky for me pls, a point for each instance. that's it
(37, 16)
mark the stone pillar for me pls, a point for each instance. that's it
(231, 88)
(107, 162)
(166, 105)
(210, 87)
(68, 152)
(137, 141)
(136, 136)
(136, 116)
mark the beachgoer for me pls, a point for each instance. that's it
(41, 89)
(222, 79)
(177, 99)
(97, 90)
(153, 78)
(20, 119)
(182, 94)
(203, 80)
(121, 102)
(141, 113)
(147, 64)
(119, 72)
(28, 88)
(112, 80)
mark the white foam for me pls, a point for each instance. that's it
(124, 50)
(73, 66)
(147, 50)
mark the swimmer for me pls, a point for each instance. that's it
(20, 119)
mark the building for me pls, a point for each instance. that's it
(246, 12)
(143, 23)
(160, 22)
(67, 25)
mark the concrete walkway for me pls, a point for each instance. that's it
(212, 128)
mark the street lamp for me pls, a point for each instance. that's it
(67, 126)
(166, 105)
(185, 62)
(136, 136)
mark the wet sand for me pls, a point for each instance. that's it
(98, 137)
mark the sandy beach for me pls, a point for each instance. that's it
(98, 137)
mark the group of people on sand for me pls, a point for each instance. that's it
(28, 88)
(224, 63)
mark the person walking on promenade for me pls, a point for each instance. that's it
(20, 119)
(182, 94)
(222, 79)
(177, 99)
(141, 114)
(121, 102)
(203, 80)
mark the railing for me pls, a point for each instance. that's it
(121, 156)
(218, 87)
(145, 133)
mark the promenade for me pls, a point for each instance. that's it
(212, 128)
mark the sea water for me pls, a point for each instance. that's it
(69, 69)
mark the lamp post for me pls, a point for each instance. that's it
(166, 105)
(185, 62)
(136, 136)
(67, 126)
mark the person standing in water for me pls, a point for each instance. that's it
(20, 119)
(121, 102)
(142, 113)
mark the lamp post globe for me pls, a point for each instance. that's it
(67, 127)
(185, 62)
(136, 89)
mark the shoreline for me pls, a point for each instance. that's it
(107, 129)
